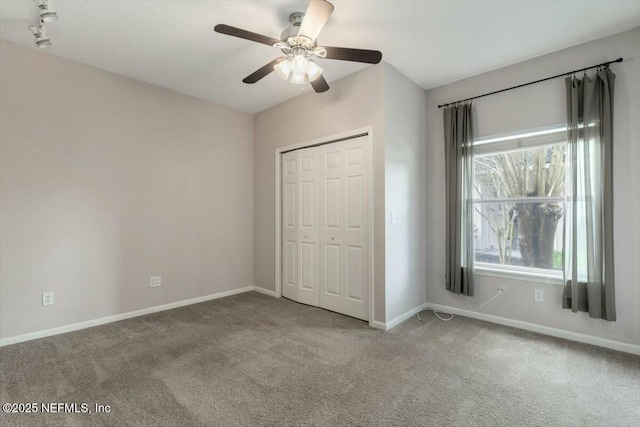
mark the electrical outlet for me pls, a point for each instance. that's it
(155, 281)
(538, 295)
(47, 298)
(502, 288)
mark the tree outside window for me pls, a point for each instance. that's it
(518, 204)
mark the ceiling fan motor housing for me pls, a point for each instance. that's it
(290, 34)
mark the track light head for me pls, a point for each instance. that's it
(47, 14)
(42, 41)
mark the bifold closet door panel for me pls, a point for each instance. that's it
(332, 269)
(344, 224)
(308, 174)
(289, 215)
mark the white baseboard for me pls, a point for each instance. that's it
(547, 330)
(117, 317)
(264, 291)
(385, 326)
(378, 325)
(404, 316)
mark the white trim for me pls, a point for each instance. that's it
(546, 330)
(406, 315)
(482, 269)
(268, 292)
(532, 199)
(509, 146)
(278, 238)
(516, 141)
(278, 248)
(378, 325)
(399, 319)
(122, 316)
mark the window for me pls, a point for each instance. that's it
(518, 204)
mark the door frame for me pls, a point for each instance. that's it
(366, 131)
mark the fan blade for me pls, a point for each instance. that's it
(320, 85)
(355, 55)
(244, 34)
(262, 72)
(315, 17)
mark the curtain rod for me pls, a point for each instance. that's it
(530, 83)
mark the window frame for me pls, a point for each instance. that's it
(510, 142)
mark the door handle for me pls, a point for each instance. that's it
(306, 235)
(333, 237)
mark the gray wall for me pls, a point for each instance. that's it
(106, 181)
(405, 195)
(381, 97)
(530, 107)
(353, 102)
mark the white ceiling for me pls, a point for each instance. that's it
(172, 43)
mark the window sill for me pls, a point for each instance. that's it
(525, 276)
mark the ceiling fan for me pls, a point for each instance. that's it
(298, 43)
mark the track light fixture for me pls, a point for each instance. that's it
(42, 41)
(47, 14)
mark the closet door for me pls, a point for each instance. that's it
(300, 226)
(289, 217)
(308, 227)
(344, 227)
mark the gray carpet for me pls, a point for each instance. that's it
(254, 360)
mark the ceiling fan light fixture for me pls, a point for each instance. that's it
(283, 68)
(299, 64)
(298, 79)
(297, 69)
(313, 71)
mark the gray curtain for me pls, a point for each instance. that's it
(458, 139)
(589, 278)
